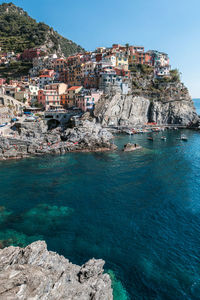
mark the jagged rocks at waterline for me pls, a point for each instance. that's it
(127, 110)
(36, 273)
(35, 139)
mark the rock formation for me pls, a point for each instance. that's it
(34, 139)
(131, 147)
(125, 110)
(36, 273)
(164, 101)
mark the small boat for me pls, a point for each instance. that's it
(163, 138)
(184, 138)
(150, 138)
(140, 131)
(3, 125)
(129, 132)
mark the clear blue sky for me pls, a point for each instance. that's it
(172, 26)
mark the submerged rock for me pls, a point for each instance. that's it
(36, 273)
(4, 214)
(119, 292)
(11, 237)
(43, 218)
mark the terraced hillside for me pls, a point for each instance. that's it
(18, 31)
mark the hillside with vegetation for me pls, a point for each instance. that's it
(18, 31)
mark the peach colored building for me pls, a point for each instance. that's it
(70, 96)
(59, 64)
(48, 98)
(87, 102)
(51, 95)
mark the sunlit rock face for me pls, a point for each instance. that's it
(127, 110)
(36, 273)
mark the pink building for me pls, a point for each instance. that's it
(2, 81)
(87, 102)
(48, 98)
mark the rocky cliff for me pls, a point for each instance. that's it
(36, 273)
(136, 110)
(164, 101)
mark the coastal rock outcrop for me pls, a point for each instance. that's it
(127, 110)
(35, 139)
(36, 273)
(131, 147)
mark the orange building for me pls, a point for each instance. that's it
(69, 98)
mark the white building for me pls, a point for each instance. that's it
(45, 80)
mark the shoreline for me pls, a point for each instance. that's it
(54, 154)
(63, 149)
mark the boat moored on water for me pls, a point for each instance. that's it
(184, 137)
(128, 131)
(163, 138)
(150, 138)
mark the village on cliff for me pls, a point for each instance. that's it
(80, 80)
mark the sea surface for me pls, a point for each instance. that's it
(197, 105)
(139, 211)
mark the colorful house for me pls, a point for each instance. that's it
(68, 99)
(87, 101)
(48, 98)
(45, 80)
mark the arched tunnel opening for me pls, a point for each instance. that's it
(53, 123)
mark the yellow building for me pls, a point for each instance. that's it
(121, 61)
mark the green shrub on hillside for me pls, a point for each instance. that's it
(175, 75)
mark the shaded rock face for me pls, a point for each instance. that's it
(129, 110)
(36, 273)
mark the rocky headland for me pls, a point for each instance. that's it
(164, 101)
(33, 139)
(54, 276)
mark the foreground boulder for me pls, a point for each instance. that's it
(36, 273)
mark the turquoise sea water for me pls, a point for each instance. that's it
(197, 105)
(138, 211)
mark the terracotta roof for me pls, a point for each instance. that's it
(60, 59)
(74, 88)
(45, 76)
